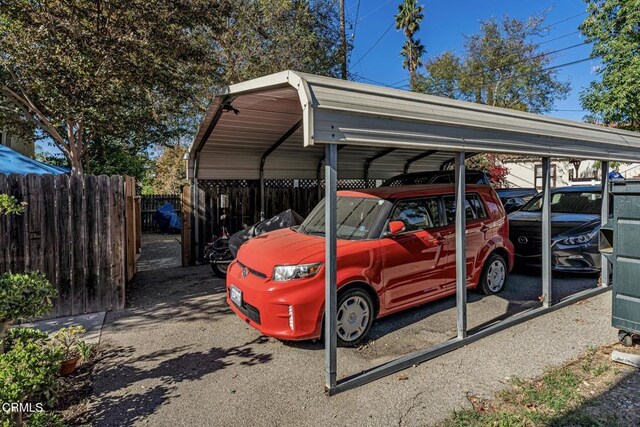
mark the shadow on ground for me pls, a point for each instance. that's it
(175, 365)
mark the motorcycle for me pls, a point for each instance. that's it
(225, 248)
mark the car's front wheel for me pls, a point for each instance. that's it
(494, 276)
(354, 317)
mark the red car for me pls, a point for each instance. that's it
(396, 250)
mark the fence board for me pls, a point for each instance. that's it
(186, 226)
(49, 230)
(104, 288)
(64, 264)
(16, 226)
(93, 201)
(79, 243)
(117, 242)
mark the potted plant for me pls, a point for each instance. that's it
(73, 349)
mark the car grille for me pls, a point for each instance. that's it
(248, 310)
(527, 240)
(252, 271)
(532, 232)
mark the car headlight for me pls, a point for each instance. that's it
(282, 273)
(579, 239)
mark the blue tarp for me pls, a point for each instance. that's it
(168, 219)
(12, 162)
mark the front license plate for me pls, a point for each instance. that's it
(236, 296)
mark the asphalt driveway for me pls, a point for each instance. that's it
(178, 356)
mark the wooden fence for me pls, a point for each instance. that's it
(80, 231)
(150, 204)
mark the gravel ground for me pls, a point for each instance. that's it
(180, 357)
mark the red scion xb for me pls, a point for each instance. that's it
(396, 250)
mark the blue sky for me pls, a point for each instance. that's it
(443, 27)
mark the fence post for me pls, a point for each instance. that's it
(186, 226)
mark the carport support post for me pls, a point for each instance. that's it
(546, 233)
(461, 257)
(330, 277)
(604, 216)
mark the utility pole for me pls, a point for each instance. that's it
(343, 42)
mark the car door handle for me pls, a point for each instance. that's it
(485, 228)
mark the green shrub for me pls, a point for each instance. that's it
(45, 419)
(24, 295)
(29, 372)
(23, 335)
(9, 205)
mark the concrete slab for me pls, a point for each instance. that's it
(92, 323)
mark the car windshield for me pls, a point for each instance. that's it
(356, 216)
(587, 202)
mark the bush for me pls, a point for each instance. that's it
(45, 419)
(25, 336)
(9, 205)
(29, 372)
(24, 295)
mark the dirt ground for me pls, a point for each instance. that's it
(178, 356)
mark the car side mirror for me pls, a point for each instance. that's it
(395, 227)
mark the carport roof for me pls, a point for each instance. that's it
(388, 128)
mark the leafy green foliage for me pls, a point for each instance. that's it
(169, 171)
(612, 27)
(9, 205)
(408, 20)
(24, 295)
(267, 36)
(500, 66)
(46, 419)
(81, 70)
(24, 336)
(28, 373)
(67, 340)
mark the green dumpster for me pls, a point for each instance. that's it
(620, 244)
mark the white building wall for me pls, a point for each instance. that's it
(522, 173)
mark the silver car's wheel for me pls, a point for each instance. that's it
(494, 276)
(354, 317)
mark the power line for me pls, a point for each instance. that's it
(558, 38)
(564, 20)
(375, 10)
(371, 80)
(374, 44)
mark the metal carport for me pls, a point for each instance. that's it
(287, 125)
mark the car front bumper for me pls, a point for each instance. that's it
(266, 304)
(580, 258)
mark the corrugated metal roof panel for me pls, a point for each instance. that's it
(368, 118)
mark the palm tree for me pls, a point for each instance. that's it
(413, 51)
(408, 20)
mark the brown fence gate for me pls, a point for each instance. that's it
(80, 231)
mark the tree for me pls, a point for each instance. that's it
(501, 66)
(84, 70)
(266, 36)
(612, 27)
(169, 171)
(408, 20)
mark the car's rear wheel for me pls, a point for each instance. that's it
(354, 317)
(494, 276)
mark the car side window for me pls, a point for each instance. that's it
(420, 214)
(477, 205)
(450, 209)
